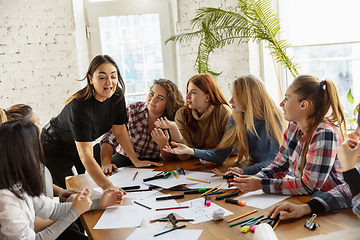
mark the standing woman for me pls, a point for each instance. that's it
(202, 123)
(163, 100)
(255, 127)
(310, 143)
(88, 114)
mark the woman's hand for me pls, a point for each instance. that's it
(109, 168)
(164, 123)
(293, 210)
(64, 194)
(348, 153)
(111, 197)
(160, 137)
(245, 183)
(217, 172)
(236, 170)
(82, 201)
(147, 164)
(179, 149)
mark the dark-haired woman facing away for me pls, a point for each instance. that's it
(88, 114)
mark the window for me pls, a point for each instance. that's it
(134, 35)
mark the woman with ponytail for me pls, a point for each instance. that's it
(310, 144)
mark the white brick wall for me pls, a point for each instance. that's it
(43, 47)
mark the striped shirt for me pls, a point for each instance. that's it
(322, 170)
(138, 128)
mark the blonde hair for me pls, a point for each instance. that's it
(250, 93)
(3, 117)
(322, 96)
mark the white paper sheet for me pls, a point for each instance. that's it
(179, 234)
(119, 217)
(259, 199)
(200, 212)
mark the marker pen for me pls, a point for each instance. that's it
(238, 202)
(170, 197)
(199, 190)
(227, 195)
(207, 201)
(230, 176)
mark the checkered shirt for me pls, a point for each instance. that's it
(322, 171)
(138, 128)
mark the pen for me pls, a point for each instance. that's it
(170, 208)
(213, 193)
(227, 195)
(169, 230)
(234, 224)
(130, 187)
(142, 205)
(244, 215)
(229, 176)
(170, 197)
(211, 190)
(168, 174)
(193, 179)
(135, 175)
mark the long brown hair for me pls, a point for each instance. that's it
(322, 96)
(249, 92)
(175, 99)
(88, 91)
(207, 84)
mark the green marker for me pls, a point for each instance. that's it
(234, 224)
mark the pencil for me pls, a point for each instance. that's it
(170, 208)
(244, 215)
(172, 229)
(175, 174)
(142, 205)
(211, 190)
(193, 179)
(135, 175)
(234, 224)
(277, 223)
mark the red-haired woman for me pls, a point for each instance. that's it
(202, 122)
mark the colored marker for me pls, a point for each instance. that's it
(234, 224)
(227, 195)
(168, 174)
(170, 197)
(238, 202)
(245, 229)
(199, 190)
(207, 201)
(213, 193)
(244, 215)
(142, 205)
(229, 176)
(130, 187)
(170, 208)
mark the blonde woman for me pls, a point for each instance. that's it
(255, 127)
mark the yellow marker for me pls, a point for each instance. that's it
(245, 229)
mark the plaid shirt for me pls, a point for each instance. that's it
(322, 171)
(138, 128)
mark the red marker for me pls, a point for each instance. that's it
(238, 202)
(161, 209)
(207, 201)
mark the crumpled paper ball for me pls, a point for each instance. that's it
(203, 161)
(218, 214)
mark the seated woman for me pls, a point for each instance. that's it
(255, 127)
(202, 123)
(163, 100)
(345, 195)
(310, 143)
(21, 190)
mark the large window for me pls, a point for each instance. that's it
(133, 33)
(325, 41)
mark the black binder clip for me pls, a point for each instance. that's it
(172, 219)
(310, 223)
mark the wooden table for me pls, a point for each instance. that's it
(286, 230)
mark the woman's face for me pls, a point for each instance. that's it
(104, 80)
(196, 98)
(235, 106)
(292, 106)
(34, 118)
(156, 100)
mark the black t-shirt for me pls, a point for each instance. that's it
(86, 120)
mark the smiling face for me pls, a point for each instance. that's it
(292, 107)
(156, 100)
(196, 98)
(234, 104)
(104, 80)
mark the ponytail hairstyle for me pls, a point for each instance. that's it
(250, 94)
(19, 111)
(208, 85)
(322, 95)
(22, 158)
(88, 91)
(175, 99)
